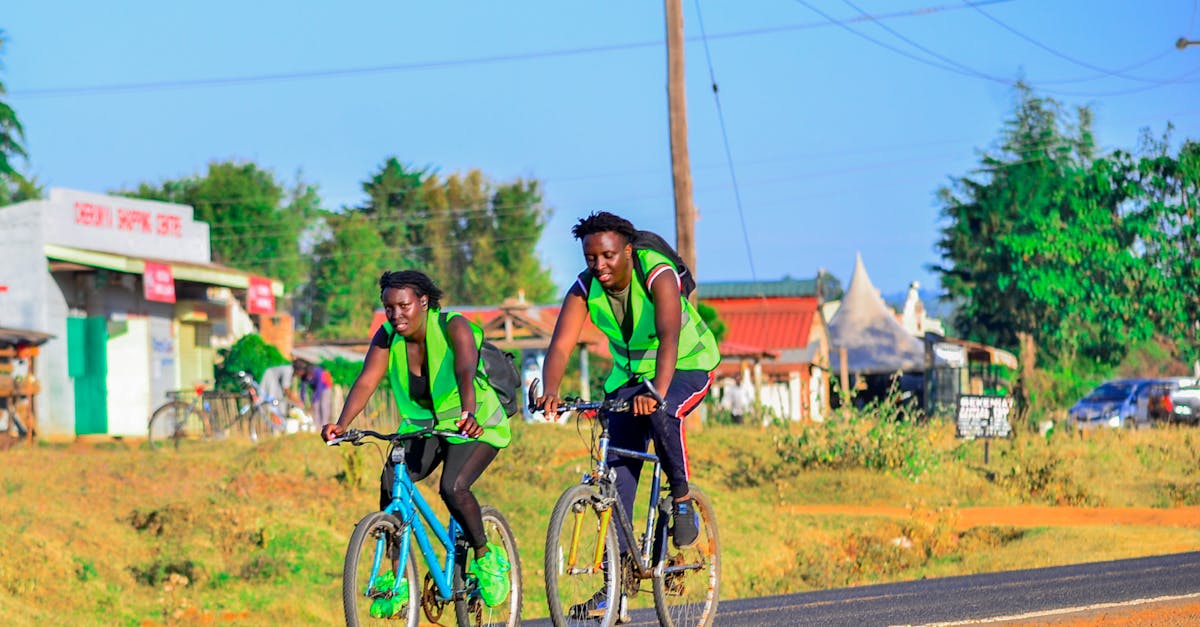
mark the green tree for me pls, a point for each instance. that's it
(344, 291)
(1165, 197)
(1036, 244)
(13, 186)
(475, 238)
(255, 224)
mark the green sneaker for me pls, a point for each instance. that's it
(491, 571)
(385, 604)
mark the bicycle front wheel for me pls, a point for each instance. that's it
(583, 574)
(258, 423)
(176, 422)
(688, 582)
(369, 594)
(471, 610)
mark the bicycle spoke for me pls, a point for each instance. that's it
(686, 592)
(582, 571)
(369, 594)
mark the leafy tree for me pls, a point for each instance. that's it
(1036, 245)
(1163, 204)
(13, 187)
(712, 319)
(475, 238)
(255, 224)
(344, 289)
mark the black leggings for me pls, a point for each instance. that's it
(462, 464)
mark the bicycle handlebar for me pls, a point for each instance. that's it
(355, 436)
(571, 403)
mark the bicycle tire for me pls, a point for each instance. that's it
(175, 422)
(377, 532)
(565, 589)
(258, 426)
(688, 597)
(470, 609)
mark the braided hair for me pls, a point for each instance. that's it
(415, 280)
(602, 221)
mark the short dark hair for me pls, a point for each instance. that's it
(602, 221)
(416, 280)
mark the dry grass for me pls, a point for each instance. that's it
(240, 534)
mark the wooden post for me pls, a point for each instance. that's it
(844, 376)
(681, 169)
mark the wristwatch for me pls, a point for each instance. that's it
(467, 414)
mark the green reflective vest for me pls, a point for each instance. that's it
(443, 387)
(637, 357)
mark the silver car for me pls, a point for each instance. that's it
(1185, 403)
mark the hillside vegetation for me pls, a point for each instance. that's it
(230, 532)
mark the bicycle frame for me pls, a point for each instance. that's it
(603, 479)
(411, 508)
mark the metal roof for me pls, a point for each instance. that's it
(754, 289)
(778, 325)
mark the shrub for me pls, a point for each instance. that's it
(249, 353)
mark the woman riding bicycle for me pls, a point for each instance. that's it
(431, 360)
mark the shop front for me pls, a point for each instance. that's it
(129, 291)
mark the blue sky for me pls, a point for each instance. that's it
(843, 117)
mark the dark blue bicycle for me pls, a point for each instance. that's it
(381, 565)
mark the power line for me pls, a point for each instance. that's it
(230, 81)
(737, 195)
(951, 65)
(1119, 73)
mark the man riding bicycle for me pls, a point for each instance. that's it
(663, 355)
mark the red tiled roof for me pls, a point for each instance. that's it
(769, 324)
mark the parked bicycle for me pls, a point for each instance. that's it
(588, 579)
(201, 414)
(180, 420)
(381, 547)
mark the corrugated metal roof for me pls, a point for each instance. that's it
(755, 289)
(778, 324)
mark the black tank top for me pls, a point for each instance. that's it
(418, 390)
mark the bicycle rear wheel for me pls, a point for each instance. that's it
(176, 422)
(583, 575)
(472, 610)
(687, 589)
(373, 546)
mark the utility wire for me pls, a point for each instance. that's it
(1104, 71)
(737, 195)
(91, 90)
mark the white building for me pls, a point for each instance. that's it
(128, 289)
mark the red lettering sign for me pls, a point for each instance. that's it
(133, 220)
(259, 297)
(89, 214)
(169, 225)
(158, 283)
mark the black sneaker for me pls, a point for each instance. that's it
(596, 606)
(685, 524)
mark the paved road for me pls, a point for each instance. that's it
(1036, 595)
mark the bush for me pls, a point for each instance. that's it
(883, 435)
(249, 353)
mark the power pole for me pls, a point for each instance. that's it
(681, 168)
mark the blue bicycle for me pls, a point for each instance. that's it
(382, 542)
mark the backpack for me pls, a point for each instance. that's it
(649, 240)
(500, 371)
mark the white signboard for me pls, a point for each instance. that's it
(983, 416)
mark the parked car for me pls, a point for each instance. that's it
(1112, 404)
(1154, 400)
(1185, 403)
